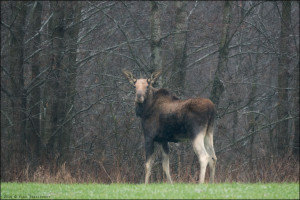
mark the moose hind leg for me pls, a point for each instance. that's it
(199, 148)
(149, 147)
(165, 159)
(208, 142)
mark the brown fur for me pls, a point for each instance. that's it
(172, 115)
(165, 118)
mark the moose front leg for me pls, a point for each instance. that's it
(149, 147)
(165, 163)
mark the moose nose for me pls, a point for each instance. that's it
(139, 97)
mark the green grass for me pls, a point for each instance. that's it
(154, 191)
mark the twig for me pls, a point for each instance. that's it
(251, 133)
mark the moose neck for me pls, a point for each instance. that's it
(140, 108)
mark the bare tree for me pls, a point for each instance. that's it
(59, 88)
(156, 59)
(178, 71)
(53, 95)
(218, 86)
(72, 25)
(18, 93)
(34, 95)
(296, 141)
(283, 136)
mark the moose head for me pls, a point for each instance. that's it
(141, 85)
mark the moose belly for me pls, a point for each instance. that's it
(172, 128)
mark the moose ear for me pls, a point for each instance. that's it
(154, 76)
(129, 76)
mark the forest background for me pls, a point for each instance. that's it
(67, 113)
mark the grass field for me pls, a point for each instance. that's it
(154, 191)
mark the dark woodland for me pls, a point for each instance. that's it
(68, 113)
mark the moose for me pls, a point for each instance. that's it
(166, 118)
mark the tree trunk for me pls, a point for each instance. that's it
(33, 125)
(156, 60)
(72, 16)
(180, 38)
(296, 140)
(53, 94)
(282, 79)
(17, 159)
(60, 86)
(252, 124)
(218, 87)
